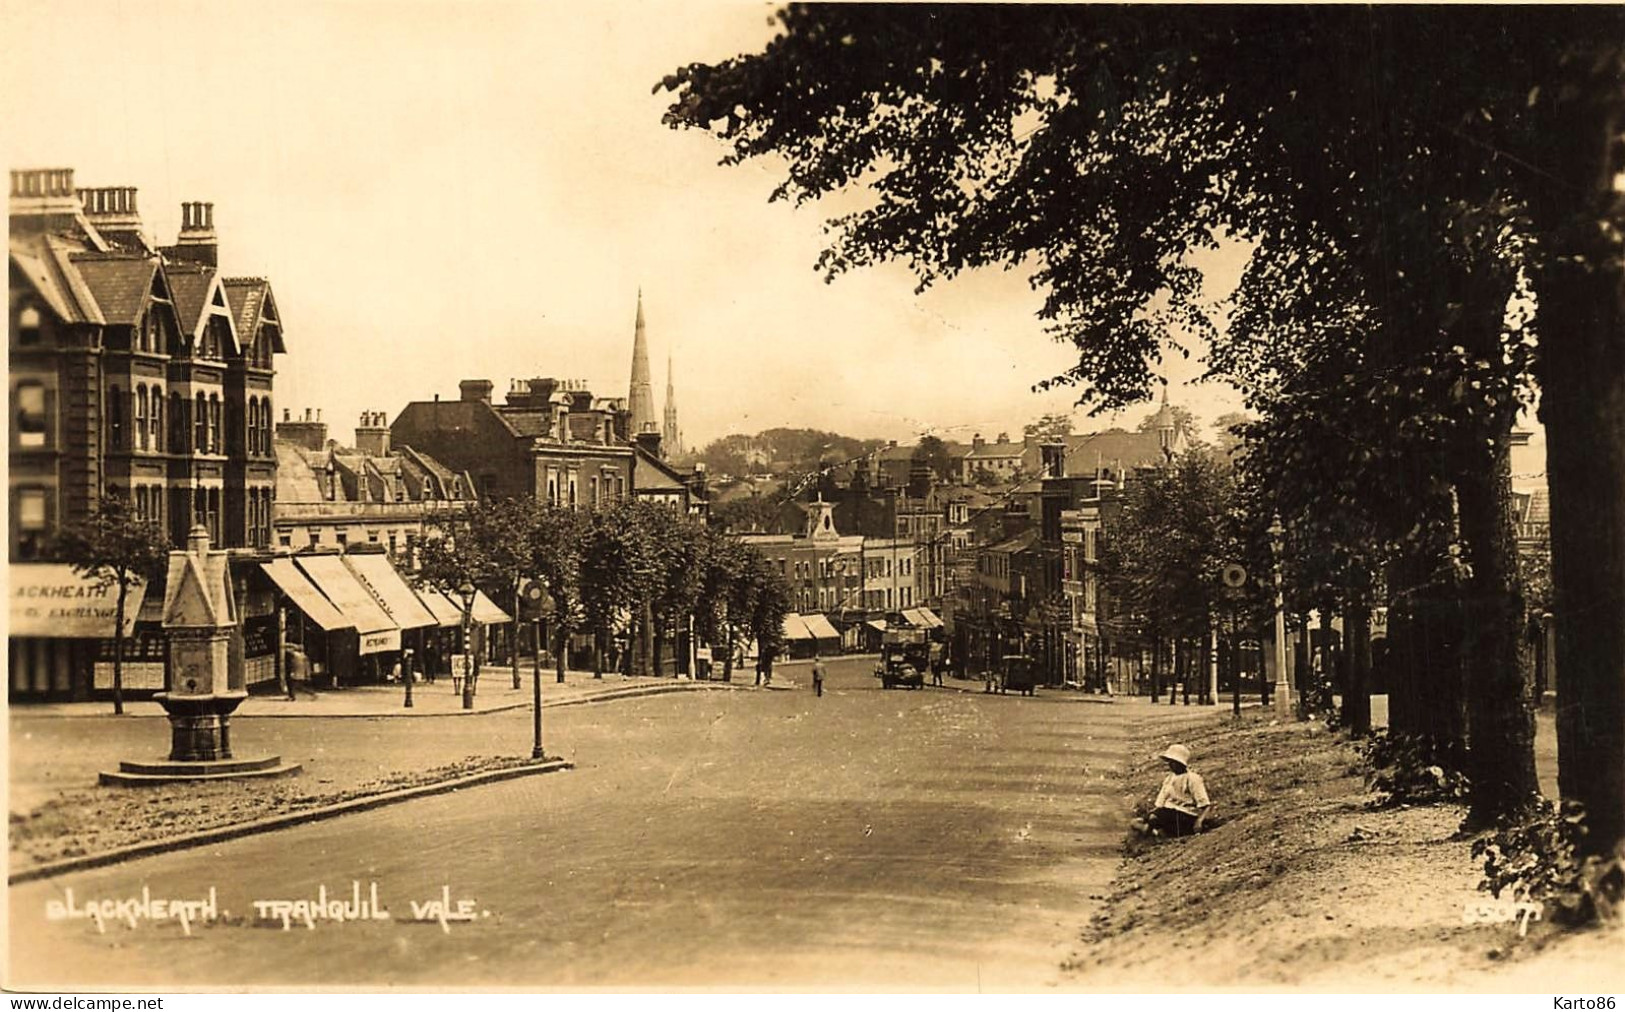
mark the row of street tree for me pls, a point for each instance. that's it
(1431, 199)
(630, 575)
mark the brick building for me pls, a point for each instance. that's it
(551, 439)
(134, 370)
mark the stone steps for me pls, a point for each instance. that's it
(165, 771)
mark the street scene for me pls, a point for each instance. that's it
(917, 498)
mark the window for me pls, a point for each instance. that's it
(177, 423)
(141, 417)
(215, 443)
(30, 521)
(252, 445)
(343, 538)
(572, 488)
(32, 425)
(28, 328)
(372, 537)
(285, 540)
(155, 435)
(115, 418)
(315, 536)
(149, 333)
(393, 547)
(592, 489)
(200, 424)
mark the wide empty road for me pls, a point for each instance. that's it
(924, 840)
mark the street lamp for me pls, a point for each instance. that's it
(466, 592)
(1283, 700)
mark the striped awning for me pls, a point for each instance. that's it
(795, 628)
(304, 595)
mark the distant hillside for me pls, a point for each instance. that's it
(782, 451)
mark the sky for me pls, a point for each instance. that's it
(478, 190)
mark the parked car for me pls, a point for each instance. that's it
(1019, 672)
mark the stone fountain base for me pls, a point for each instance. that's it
(170, 771)
(200, 747)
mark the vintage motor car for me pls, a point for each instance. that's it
(904, 655)
(1019, 672)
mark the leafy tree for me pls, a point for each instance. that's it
(114, 547)
(932, 452)
(555, 543)
(1101, 145)
(754, 514)
(618, 573)
(475, 549)
(726, 569)
(1051, 428)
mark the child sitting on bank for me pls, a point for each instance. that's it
(1182, 803)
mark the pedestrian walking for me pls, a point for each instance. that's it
(818, 676)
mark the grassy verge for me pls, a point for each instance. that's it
(90, 820)
(1303, 886)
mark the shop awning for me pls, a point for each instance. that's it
(486, 612)
(440, 606)
(378, 574)
(332, 577)
(795, 628)
(49, 600)
(820, 627)
(878, 625)
(929, 617)
(304, 595)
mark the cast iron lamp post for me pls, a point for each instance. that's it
(466, 591)
(1283, 693)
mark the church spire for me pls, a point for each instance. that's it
(641, 397)
(671, 439)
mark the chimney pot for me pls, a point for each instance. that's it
(287, 415)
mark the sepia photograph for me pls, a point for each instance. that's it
(930, 499)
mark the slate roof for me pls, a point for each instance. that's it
(190, 285)
(1112, 449)
(996, 450)
(296, 477)
(248, 298)
(654, 475)
(121, 284)
(44, 263)
(1021, 542)
(527, 423)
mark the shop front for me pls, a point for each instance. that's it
(378, 638)
(318, 639)
(59, 621)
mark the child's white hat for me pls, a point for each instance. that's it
(1178, 753)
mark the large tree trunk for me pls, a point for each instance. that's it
(598, 652)
(1357, 700)
(1500, 704)
(1582, 372)
(561, 647)
(1156, 666)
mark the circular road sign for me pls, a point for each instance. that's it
(1234, 575)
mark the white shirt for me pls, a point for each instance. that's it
(1184, 792)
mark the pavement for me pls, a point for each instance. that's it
(871, 840)
(494, 693)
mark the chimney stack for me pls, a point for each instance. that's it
(475, 390)
(197, 241)
(43, 200)
(372, 435)
(312, 435)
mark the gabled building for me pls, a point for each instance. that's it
(133, 372)
(373, 493)
(551, 440)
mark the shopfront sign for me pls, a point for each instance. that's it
(50, 600)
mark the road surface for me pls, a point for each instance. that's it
(914, 840)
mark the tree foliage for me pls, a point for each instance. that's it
(114, 547)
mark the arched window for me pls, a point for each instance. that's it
(115, 418)
(141, 417)
(270, 428)
(28, 326)
(157, 423)
(215, 443)
(177, 423)
(200, 428)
